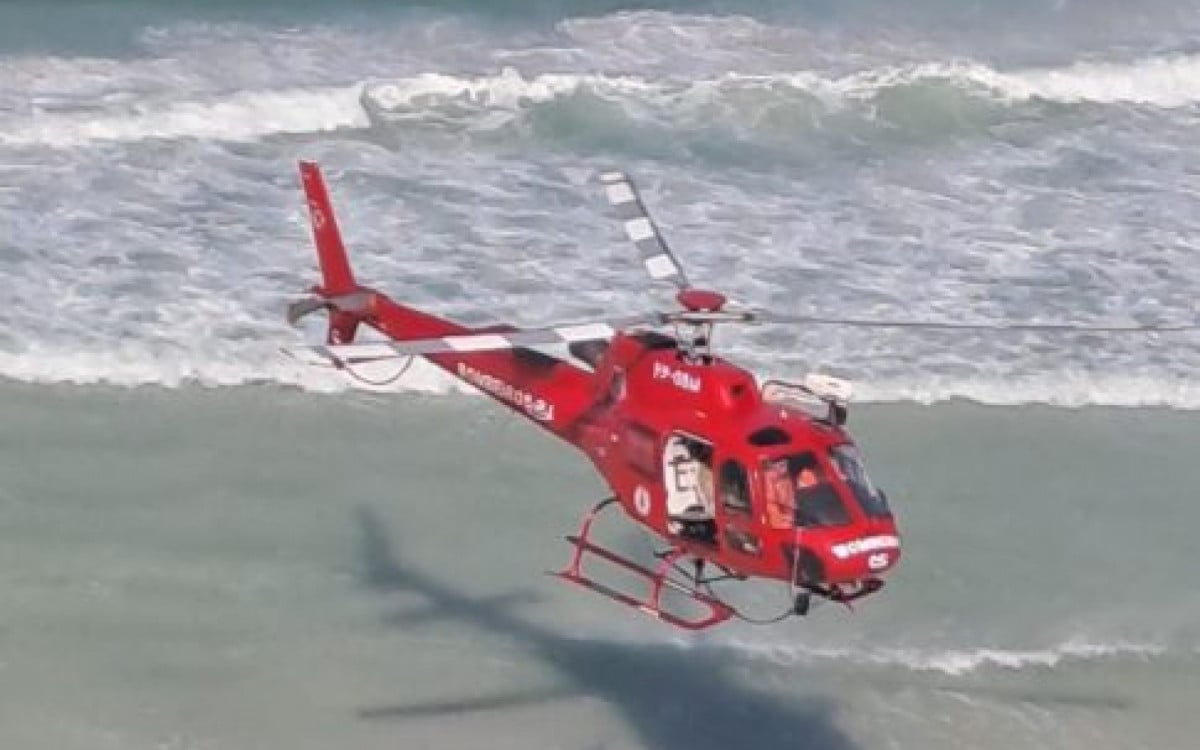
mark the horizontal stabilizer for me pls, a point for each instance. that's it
(357, 303)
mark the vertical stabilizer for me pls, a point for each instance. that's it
(335, 266)
(338, 280)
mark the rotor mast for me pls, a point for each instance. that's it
(694, 332)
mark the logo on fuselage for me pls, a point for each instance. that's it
(688, 381)
(865, 545)
(641, 501)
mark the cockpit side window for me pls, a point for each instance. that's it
(735, 488)
(820, 505)
(799, 494)
(849, 466)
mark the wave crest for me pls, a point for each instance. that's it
(955, 662)
(129, 366)
(1167, 81)
(935, 96)
(243, 116)
(925, 101)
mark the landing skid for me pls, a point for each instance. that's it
(657, 579)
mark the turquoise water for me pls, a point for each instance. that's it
(253, 567)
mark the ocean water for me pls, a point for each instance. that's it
(260, 567)
(204, 544)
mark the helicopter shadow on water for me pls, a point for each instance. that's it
(674, 699)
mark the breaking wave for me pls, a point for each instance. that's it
(1166, 81)
(955, 662)
(244, 116)
(927, 98)
(1172, 81)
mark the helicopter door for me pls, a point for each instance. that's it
(737, 508)
(688, 478)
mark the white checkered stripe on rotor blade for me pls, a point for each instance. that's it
(640, 229)
(660, 267)
(486, 342)
(466, 343)
(660, 263)
(619, 193)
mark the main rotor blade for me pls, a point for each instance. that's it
(954, 325)
(660, 263)
(514, 699)
(376, 351)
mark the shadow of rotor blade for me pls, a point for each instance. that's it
(380, 569)
(470, 705)
(434, 613)
(379, 566)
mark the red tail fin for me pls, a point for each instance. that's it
(335, 267)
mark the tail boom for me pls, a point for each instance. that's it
(551, 392)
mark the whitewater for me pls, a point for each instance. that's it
(907, 224)
(207, 544)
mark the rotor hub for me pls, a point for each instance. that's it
(701, 300)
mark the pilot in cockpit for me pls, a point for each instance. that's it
(790, 483)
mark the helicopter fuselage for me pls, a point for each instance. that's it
(650, 396)
(642, 397)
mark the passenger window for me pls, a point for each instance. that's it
(616, 387)
(735, 488)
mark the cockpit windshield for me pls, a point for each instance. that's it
(848, 463)
(799, 494)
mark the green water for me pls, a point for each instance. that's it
(250, 567)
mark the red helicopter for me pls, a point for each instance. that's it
(749, 481)
(738, 480)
